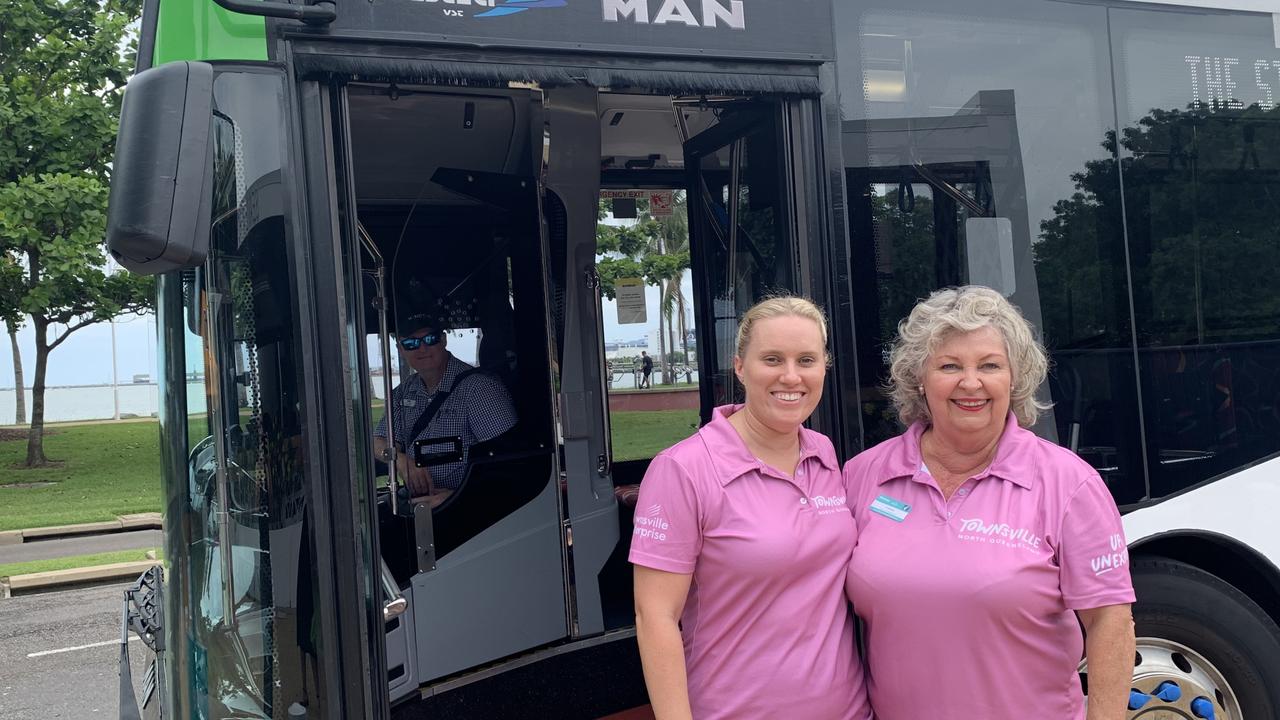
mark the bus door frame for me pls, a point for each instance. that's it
(589, 508)
(814, 227)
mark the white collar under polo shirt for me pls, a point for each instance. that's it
(968, 602)
(767, 632)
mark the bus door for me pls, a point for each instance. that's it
(698, 211)
(482, 209)
(744, 229)
(444, 186)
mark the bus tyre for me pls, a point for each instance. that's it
(1206, 636)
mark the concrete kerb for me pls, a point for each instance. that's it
(136, 521)
(33, 582)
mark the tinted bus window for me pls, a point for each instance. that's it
(977, 142)
(1200, 143)
(250, 596)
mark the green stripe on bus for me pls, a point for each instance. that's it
(201, 30)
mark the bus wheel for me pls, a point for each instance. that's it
(1205, 650)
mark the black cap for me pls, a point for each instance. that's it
(415, 320)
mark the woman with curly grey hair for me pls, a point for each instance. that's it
(979, 544)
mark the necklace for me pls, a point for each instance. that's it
(947, 480)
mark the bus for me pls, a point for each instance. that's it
(303, 177)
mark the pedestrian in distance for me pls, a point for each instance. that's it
(741, 544)
(982, 549)
(646, 369)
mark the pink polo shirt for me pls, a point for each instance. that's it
(766, 627)
(968, 603)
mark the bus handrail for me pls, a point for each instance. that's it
(384, 344)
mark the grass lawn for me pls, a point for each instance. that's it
(642, 434)
(627, 389)
(112, 469)
(77, 561)
(107, 470)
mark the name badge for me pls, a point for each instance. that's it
(409, 402)
(895, 510)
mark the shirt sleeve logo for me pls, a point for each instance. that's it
(1114, 560)
(651, 524)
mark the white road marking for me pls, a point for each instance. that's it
(104, 643)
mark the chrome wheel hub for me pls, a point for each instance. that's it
(1174, 682)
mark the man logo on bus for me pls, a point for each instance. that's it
(714, 12)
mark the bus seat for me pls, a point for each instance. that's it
(627, 475)
(627, 494)
(502, 475)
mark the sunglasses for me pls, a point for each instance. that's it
(413, 343)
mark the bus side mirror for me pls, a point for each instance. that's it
(162, 175)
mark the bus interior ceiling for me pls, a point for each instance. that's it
(445, 180)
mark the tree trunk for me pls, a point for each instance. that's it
(19, 384)
(35, 436)
(662, 340)
(671, 342)
(684, 337)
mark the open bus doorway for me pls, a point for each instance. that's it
(481, 208)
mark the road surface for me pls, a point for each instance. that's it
(59, 654)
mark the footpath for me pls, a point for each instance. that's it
(126, 532)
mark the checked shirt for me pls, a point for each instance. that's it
(479, 409)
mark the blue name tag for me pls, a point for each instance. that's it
(895, 510)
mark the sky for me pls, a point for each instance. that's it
(85, 357)
(614, 332)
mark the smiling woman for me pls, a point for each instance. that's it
(975, 533)
(735, 531)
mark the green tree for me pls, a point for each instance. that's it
(1201, 200)
(63, 66)
(53, 224)
(657, 250)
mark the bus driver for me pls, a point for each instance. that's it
(443, 399)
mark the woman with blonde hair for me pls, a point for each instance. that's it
(741, 541)
(980, 546)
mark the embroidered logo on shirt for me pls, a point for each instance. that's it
(651, 525)
(976, 530)
(1114, 560)
(891, 508)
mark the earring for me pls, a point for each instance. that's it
(920, 389)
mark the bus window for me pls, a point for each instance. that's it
(1199, 134)
(984, 118)
(250, 579)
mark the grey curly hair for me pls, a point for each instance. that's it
(964, 309)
